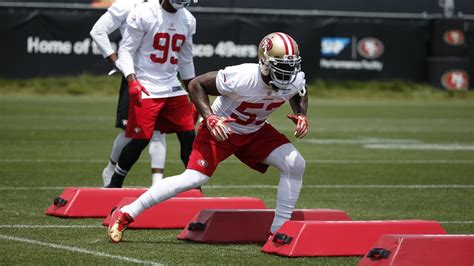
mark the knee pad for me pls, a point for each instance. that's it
(296, 165)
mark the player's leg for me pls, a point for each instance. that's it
(140, 128)
(162, 190)
(129, 156)
(157, 151)
(270, 147)
(177, 117)
(206, 155)
(186, 139)
(120, 141)
(291, 165)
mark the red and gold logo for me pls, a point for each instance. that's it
(455, 80)
(370, 48)
(203, 163)
(266, 44)
(454, 37)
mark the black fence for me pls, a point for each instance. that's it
(56, 42)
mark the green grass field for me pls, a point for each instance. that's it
(375, 159)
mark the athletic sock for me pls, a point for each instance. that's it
(288, 193)
(165, 189)
(117, 178)
(119, 142)
(108, 172)
(156, 177)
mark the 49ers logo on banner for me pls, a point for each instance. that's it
(370, 48)
(455, 80)
(454, 37)
(266, 44)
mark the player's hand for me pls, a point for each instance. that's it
(117, 68)
(135, 90)
(301, 125)
(218, 126)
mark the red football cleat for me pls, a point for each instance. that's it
(118, 223)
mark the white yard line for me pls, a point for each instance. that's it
(457, 222)
(423, 147)
(360, 141)
(234, 161)
(440, 186)
(54, 226)
(76, 249)
(345, 186)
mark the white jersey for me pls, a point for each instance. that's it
(114, 18)
(156, 44)
(248, 99)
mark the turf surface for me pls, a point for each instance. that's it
(375, 159)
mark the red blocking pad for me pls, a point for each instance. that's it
(246, 226)
(421, 250)
(340, 238)
(83, 202)
(177, 212)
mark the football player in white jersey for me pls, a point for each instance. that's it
(156, 45)
(115, 18)
(237, 124)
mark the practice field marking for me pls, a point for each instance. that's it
(360, 141)
(48, 226)
(431, 147)
(234, 161)
(76, 249)
(440, 186)
(346, 186)
(457, 222)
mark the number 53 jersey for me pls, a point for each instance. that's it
(248, 99)
(156, 44)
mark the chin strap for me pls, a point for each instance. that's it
(302, 92)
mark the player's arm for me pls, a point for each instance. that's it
(199, 90)
(299, 105)
(131, 40)
(186, 62)
(299, 102)
(104, 26)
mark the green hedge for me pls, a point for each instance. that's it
(104, 85)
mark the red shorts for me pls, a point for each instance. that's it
(172, 115)
(251, 149)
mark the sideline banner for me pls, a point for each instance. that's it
(56, 42)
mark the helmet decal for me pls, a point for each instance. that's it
(266, 44)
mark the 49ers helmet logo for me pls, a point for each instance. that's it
(266, 44)
(370, 48)
(455, 80)
(454, 37)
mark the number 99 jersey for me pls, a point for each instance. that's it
(248, 99)
(157, 44)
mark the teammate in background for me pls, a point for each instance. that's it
(157, 43)
(115, 18)
(236, 124)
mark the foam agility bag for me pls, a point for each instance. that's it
(246, 226)
(84, 202)
(340, 238)
(406, 250)
(178, 212)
